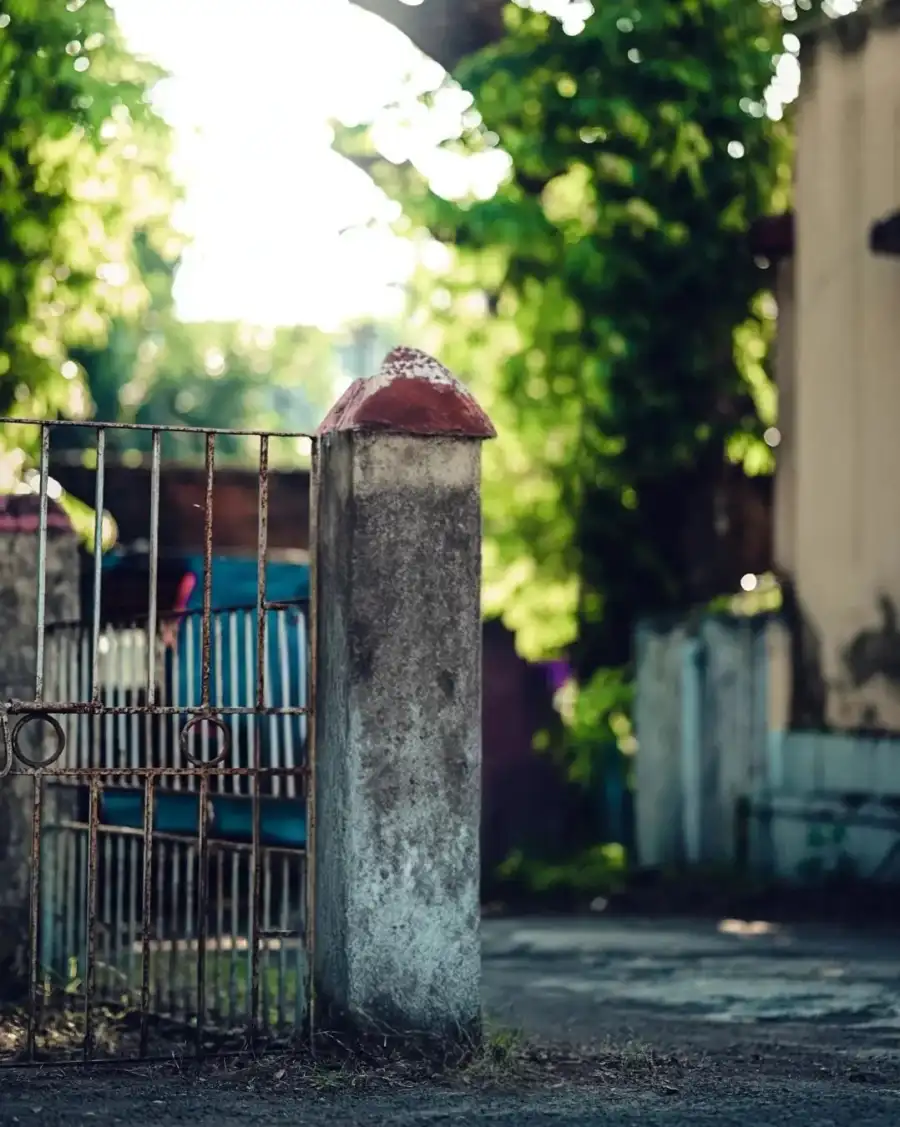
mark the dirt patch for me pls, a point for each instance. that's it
(514, 1083)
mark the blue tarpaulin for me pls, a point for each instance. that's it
(231, 818)
(234, 584)
(233, 676)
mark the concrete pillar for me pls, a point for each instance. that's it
(19, 515)
(398, 709)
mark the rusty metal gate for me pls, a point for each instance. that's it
(155, 926)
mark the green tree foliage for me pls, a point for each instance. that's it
(233, 375)
(158, 370)
(213, 374)
(84, 171)
(605, 304)
(88, 256)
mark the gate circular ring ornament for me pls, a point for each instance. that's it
(216, 722)
(38, 764)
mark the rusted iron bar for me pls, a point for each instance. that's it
(206, 620)
(98, 566)
(153, 580)
(42, 563)
(261, 616)
(202, 906)
(150, 780)
(34, 975)
(99, 708)
(90, 976)
(262, 544)
(147, 908)
(150, 772)
(310, 765)
(92, 424)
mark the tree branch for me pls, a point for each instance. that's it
(445, 30)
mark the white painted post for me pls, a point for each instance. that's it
(398, 708)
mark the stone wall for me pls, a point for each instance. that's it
(18, 654)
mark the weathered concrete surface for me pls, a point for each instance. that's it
(665, 1006)
(706, 983)
(18, 635)
(399, 727)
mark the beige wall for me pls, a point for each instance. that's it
(838, 526)
(785, 509)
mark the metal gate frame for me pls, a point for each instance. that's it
(207, 717)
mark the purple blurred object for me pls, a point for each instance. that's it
(559, 673)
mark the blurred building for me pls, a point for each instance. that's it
(774, 740)
(837, 502)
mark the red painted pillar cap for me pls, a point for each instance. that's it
(412, 394)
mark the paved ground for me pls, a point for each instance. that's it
(672, 1025)
(702, 982)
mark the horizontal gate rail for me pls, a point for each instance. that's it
(151, 428)
(43, 709)
(134, 928)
